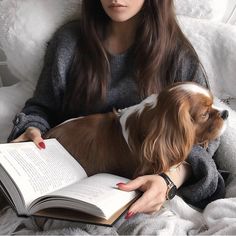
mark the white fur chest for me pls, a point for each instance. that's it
(126, 112)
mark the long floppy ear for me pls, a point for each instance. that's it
(169, 141)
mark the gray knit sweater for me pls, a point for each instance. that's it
(44, 109)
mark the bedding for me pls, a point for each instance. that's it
(175, 218)
(12, 99)
(214, 10)
(201, 9)
(21, 39)
(214, 41)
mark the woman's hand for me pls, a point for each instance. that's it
(154, 188)
(31, 134)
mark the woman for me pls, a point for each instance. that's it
(117, 54)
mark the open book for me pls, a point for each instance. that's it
(50, 182)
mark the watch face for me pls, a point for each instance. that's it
(172, 192)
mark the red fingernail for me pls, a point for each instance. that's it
(129, 215)
(42, 145)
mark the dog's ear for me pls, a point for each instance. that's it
(169, 141)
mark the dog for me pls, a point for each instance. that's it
(148, 138)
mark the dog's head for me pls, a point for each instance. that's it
(183, 116)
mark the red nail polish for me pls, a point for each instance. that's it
(42, 145)
(129, 215)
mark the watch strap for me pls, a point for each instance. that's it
(170, 186)
(167, 179)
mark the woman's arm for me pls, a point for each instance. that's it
(154, 189)
(205, 183)
(180, 174)
(198, 182)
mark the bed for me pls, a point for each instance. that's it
(211, 27)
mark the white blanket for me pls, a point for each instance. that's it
(215, 44)
(175, 218)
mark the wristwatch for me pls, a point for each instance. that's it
(171, 187)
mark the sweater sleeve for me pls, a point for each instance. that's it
(43, 109)
(206, 184)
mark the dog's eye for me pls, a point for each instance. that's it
(205, 115)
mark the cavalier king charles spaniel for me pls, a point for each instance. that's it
(147, 138)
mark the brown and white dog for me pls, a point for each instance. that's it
(147, 138)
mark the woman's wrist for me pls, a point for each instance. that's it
(179, 174)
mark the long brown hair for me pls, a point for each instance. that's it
(158, 48)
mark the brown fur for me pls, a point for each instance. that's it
(96, 141)
(159, 137)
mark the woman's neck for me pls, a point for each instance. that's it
(120, 36)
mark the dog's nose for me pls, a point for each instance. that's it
(224, 114)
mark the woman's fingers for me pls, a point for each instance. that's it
(21, 138)
(31, 134)
(34, 134)
(135, 184)
(151, 201)
(154, 188)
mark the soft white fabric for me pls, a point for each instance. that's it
(232, 103)
(226, 153)
(215, 44)
(12, 99)
(214, 10)
(230, 13)
(202, 9)
(26, 26)
(175, 218)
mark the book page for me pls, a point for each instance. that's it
(37, 172)
(99, 190)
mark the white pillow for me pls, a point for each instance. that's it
(12, 100)
(26, 26)
(215, 43)
(226, 153)
(230, 12)
(202, 9)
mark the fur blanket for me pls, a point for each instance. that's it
(175, 218)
